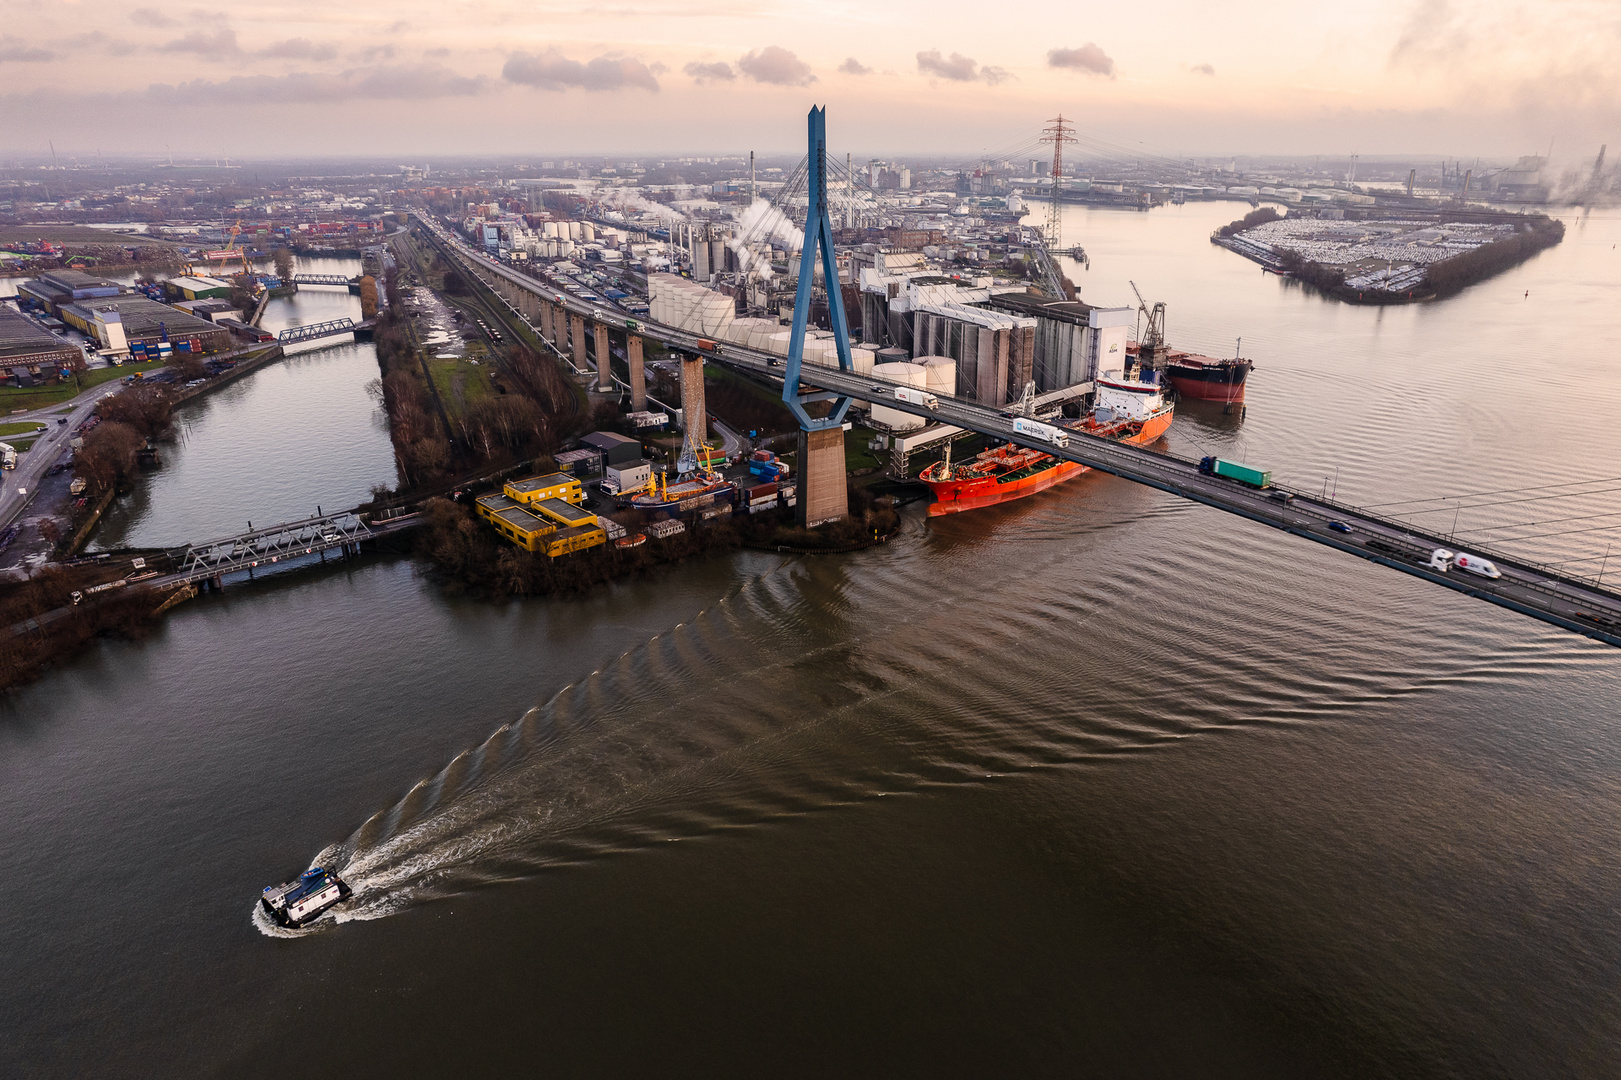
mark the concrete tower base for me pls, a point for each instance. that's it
(823, 495)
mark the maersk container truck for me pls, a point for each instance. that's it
(1037, 430)
(1232, 470)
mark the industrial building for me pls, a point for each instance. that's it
(515, 523)
(994, 351)
(198, 288)
(1073, 342)
(550, 524)
(57, 287)
(142, 325)
(28, 349)
(616, 449)
(213, 310)
(532, 490)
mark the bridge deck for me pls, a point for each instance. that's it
(1526, 587)
(315, 330)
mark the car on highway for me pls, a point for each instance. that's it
(1339, 526)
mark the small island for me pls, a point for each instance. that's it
(1389, 259)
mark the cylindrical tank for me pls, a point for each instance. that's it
(778, 342)
(863, 360)
(901, 374)
(892, 355)
(941, 374)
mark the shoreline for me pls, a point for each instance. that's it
(1454, 274)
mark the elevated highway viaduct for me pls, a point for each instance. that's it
(1541, 592)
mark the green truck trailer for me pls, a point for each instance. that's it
(1232, 470)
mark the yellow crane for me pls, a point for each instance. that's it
(231, 251)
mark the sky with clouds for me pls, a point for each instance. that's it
(413, 78)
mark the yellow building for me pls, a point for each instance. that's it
(523, 528)
(578, 538)
(487, 505)
(559, 528)
(534, 489)
(564, 513)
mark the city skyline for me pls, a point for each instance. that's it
(1435, 78)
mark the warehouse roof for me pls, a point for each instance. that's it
(143, 315)
(22, 337)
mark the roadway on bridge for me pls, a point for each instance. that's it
(1525, 587)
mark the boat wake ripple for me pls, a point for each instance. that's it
(814, 687)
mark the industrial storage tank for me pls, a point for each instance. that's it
(778, 342)
(762, 332)
(746, 331)
(893, 355)
(902, 374)
(942, 374)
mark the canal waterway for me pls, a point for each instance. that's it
(301, 433)
(1099, 782)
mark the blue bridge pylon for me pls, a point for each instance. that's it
(818, 239)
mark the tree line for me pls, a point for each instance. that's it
(1250, 221)
(1532, 235)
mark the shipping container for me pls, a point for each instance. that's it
(1232, 470)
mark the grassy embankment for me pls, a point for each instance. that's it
(451, 420)
(13, 399)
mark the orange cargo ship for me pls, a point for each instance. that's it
(1126, 410)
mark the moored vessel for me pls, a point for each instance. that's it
(1201, 378)
(693, 491)
(1125, 409)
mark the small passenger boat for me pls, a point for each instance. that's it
(300, 902)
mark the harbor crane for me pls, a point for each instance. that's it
(1151, 338)
(231, 252)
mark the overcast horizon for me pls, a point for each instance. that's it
(498, 78)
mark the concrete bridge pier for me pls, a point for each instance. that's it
(529, 304)
(552, 316)
(822, 494)
(605, 378)
(577, 339)
(694, 415)
(638, 372)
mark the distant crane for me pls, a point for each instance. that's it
(231, 252)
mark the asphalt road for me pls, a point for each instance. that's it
(17, 486)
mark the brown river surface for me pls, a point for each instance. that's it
(1098, 783)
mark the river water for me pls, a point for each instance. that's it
(1098, 783)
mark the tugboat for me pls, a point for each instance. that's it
(300, 902)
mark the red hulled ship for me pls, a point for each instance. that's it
(1200, 378)
(1125, 409)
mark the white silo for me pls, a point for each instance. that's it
(941, 374)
